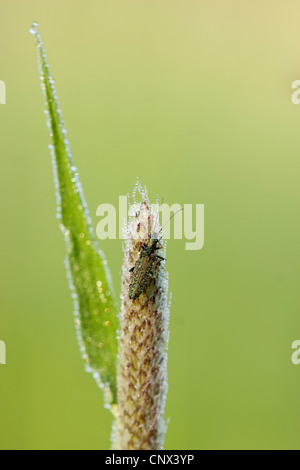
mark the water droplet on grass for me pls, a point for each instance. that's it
(33, 30)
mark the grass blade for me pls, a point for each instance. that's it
(95, 308)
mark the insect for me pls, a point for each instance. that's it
(142, 272)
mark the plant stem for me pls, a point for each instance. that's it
(142, 371)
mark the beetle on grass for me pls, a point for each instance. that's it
(143, 271)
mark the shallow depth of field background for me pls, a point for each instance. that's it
(194, 97)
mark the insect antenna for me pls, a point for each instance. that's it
(157, 216)
(168, 222)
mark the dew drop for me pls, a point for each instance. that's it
(34, 28)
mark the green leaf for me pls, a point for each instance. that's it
(95, 306)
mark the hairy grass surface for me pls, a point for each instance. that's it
(142, 371)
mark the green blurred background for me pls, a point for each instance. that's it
(194, 97)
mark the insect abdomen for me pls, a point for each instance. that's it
(141, 277)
